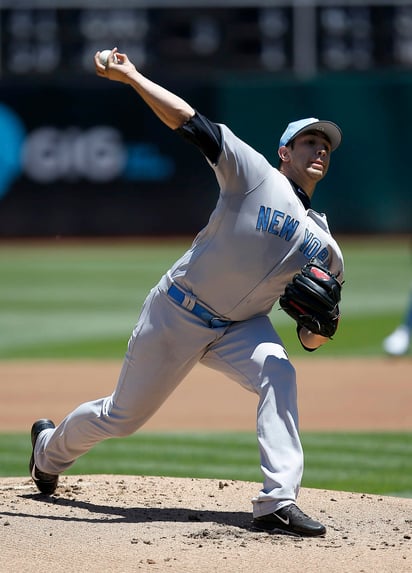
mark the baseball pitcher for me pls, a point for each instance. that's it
(263, 243)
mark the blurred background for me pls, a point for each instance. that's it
(84, 158)
(81, 156)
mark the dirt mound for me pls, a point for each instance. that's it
(131, 523)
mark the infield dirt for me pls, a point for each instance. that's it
(143, 523)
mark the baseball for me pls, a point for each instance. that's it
(104, 54)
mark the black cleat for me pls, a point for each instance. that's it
(290, 520)
(46, 483)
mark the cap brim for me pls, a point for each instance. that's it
(330, 129)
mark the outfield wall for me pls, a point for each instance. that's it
(86, 158)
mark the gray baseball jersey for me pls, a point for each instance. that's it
(258, 236)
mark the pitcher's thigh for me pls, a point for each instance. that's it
(252, 353)
(164, 347)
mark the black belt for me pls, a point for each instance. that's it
(211, 320)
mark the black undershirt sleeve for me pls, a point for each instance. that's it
(203, 133)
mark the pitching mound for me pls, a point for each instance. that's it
(131, 523)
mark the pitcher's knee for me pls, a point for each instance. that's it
(122, 428)
(288, 371)
(275, 370)
(122, 422)
(272, 361)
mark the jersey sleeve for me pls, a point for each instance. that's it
(203, 133)
(238, 167)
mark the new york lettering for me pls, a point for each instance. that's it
(284, 226)
(278, 224)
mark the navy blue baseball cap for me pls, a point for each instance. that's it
(330, 129)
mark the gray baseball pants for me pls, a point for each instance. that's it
(165, 345)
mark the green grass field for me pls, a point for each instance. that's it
(73, 300)
(63, 299)
(378, 463)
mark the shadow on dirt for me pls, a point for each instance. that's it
(94, 513)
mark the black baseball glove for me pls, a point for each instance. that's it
(312, 299)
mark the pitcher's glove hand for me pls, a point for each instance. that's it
(312, 299)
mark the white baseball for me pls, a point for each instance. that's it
(104, 54)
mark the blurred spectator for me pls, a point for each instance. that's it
(399, 341)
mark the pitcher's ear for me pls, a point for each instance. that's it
(283, 153)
